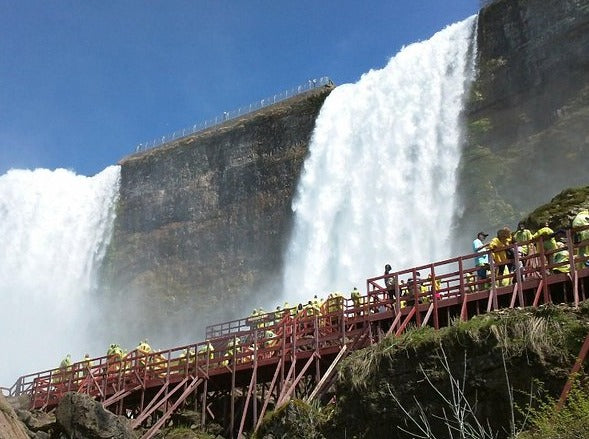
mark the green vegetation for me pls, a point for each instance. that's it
(479, 127)
(561, 209)
(295, 419)
(186, 433)
(571, 422)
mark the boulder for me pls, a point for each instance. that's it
(78, 415)
(10, 426)
(36, 420)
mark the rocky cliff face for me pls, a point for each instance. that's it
(527, 116)
(204, 221)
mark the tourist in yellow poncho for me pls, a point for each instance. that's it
(498, 246)
(582, 219)
(546, 235)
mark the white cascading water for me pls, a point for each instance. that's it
(378, 185)
(54, 230)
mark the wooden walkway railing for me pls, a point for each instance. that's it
(249, 364)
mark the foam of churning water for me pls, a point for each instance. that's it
(54, 229)
(378, 185)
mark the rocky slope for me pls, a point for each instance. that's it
(10, 427)
(77, 416)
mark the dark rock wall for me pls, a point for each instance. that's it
(527, 131)
(202, 223)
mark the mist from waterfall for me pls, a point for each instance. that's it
(379, 183)
(54, 228)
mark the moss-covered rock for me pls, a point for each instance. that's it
(186, 433)
(561, 210)
(527, 352)
(295, 419)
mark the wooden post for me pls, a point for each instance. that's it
(464, 307)
(573, 268)
(435, 292)
(493, 289)
(255, 402)
(203, 415)
(544, 268)
(578, 363)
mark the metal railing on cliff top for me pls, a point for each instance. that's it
(228, 115)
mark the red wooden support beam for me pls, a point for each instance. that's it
(573, 268)
(544, 271)
(513, 295)
(156, 403)
(293, 386)
(518, 276)
(327, 374)
(395, 323)
(538, 291)
(155, 428)
(435, 294)
(272, 384)
(251, 389)
(427, 316)
(576, 367)
(405, 322)
(463, 308)
(119, 396)
(493, 289)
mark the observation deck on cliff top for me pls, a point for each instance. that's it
(248, 365)
(311, 84)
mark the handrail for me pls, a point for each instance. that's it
(228, 115)
(275, 336)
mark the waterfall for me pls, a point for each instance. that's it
(54, 229)
(378, 185)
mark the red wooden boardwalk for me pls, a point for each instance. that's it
(249, 365)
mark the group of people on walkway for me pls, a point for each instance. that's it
(509, 251)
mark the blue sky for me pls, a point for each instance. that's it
(83, 82)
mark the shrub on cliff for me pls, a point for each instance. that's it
(572, 422)
(295, 419)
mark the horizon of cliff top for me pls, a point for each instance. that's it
(311, 84)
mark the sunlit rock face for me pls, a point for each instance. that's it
(528, 111)
(202, 223)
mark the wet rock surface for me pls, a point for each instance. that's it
(526, 116)
(79, 416)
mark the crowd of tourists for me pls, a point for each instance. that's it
(509, 252)
(500, 258)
